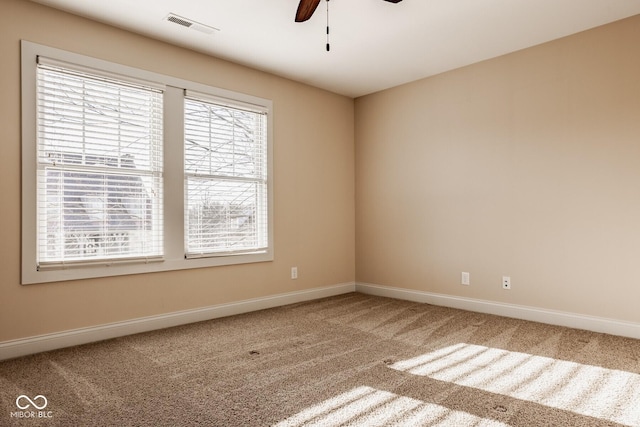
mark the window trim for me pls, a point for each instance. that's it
(173, 177)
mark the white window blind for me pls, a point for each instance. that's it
(225, 154)
(99, 169)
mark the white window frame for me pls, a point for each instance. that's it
(174, 242)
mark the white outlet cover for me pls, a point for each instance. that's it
(506, 282)
(465, 279)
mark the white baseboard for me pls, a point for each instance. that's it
(38, 344)
(553, 317)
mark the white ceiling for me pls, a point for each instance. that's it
(374, 44)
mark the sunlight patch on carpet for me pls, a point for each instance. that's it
(593, 391)
(371, 407)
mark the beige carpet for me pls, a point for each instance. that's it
(351, 360)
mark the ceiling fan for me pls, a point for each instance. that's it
(307, 7)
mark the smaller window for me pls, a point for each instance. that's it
(226, 206)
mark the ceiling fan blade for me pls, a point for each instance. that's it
(393, 1)
(306, 9)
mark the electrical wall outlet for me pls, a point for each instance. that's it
(506, 282)
(294, 272)
(465, 279)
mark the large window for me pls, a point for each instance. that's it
(99, 156)
(127, 171)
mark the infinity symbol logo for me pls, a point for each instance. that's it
(31, 402)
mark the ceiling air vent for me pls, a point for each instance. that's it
(189, 23)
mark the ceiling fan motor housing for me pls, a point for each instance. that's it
(307, 7)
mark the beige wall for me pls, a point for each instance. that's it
(527, 165)
(314, 186)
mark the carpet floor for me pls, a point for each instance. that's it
(349, 360)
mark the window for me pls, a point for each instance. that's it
(226, 179)
(99, 156)
(128, 171)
